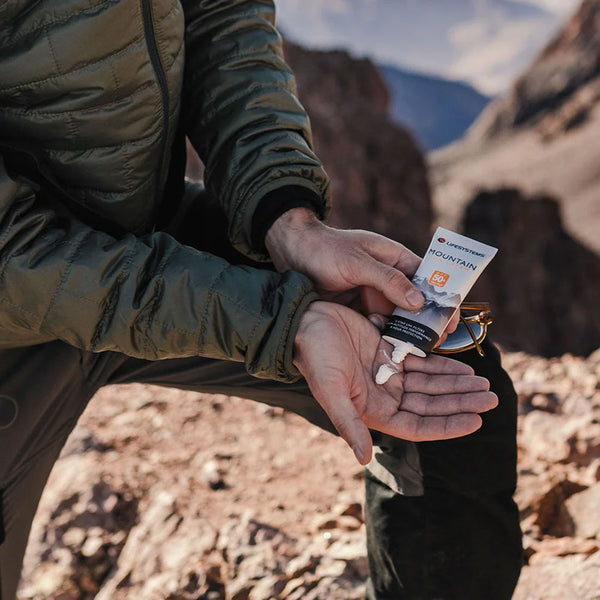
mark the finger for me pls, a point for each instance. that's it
(450, 328)
(345, 419)
(448, 404)
(390, 281)
(454, 321)
(378, 320)
(373, 301)
(437, 385)
(418, 428)
(392, 253)
(435, 364)
(442, 339)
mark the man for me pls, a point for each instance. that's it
(113, 271)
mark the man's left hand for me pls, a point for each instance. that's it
(343, 262)
(348, 265)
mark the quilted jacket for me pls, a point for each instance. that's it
(95, 98)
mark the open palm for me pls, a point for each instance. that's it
(428, 399)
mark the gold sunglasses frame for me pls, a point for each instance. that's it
(472, 312)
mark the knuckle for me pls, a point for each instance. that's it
(354, 263)
(397, 279)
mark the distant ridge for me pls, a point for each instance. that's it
(437, 110)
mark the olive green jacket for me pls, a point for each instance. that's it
(91, 95)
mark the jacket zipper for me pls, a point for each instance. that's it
(161, 77)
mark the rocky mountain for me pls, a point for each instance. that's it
(540, 139)
(438, 111)
(566, 72)
(378, 172)
(531, 160)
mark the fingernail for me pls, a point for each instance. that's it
(415, 298)
(360, 455)
(377, 320)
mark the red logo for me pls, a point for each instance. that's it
(442, 240)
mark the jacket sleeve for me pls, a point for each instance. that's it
(147, 297)
(243, 118)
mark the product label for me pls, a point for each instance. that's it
(449, 269)
(418, 334)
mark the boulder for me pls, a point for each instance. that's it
(543, 283)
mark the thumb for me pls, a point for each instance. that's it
(392, 284)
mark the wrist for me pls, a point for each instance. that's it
(287, 237)
(306, 331)
(276, 203)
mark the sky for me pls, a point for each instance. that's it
(485, 42)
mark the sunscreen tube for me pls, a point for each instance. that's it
(448, 271)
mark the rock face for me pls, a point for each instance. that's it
(569, 64)
(378, 173)
(543, 285)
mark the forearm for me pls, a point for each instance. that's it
(147, 297)
(242, 115)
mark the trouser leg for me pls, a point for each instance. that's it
(43, 390)
(458, 536)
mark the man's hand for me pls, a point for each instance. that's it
(430, 398)
(348, 265)
(341, 261)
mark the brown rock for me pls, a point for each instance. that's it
(570, 577)
(352, 550)
(553, 518)
(161, 552)
(267, 588)
(546, 436)
(324, 523)
(551, 84)
(344, 523)
(306, 563)
(533, 299)
(565, 546)
(354, 509)
(293, 588)
(212, 475)
(74, 536)
(584, 509)
(239, 590)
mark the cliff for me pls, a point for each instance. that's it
(378, 173)
(526, 180)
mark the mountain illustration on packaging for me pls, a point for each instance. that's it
(435, 297)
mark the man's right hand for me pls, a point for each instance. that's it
(431, 398)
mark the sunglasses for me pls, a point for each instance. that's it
(471, 331)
